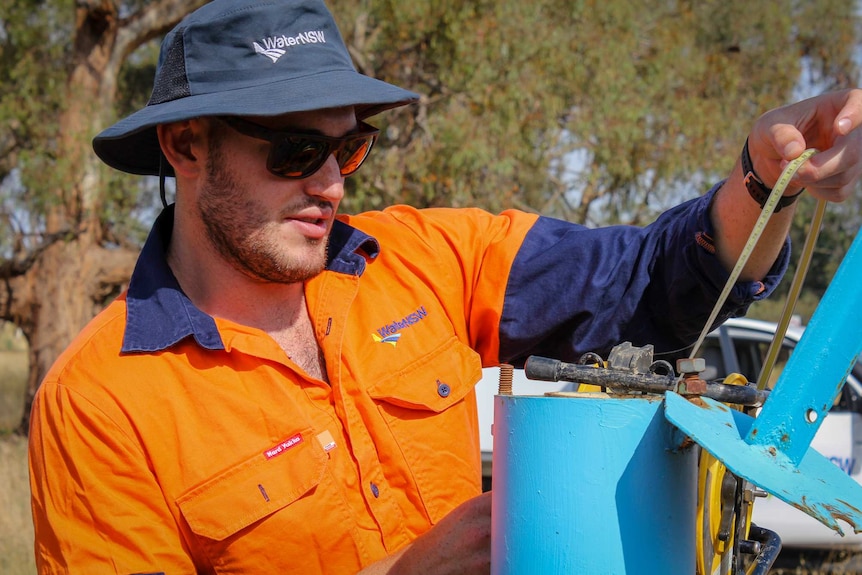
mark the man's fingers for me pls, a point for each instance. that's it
(849, 117)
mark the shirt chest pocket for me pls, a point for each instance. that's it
(429, 408)
(262, 507)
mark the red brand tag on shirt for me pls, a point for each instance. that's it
(283, 446)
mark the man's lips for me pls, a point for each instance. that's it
(311, 223)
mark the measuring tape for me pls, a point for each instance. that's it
(759, 225)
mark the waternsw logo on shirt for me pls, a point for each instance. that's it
(275, 47)
(390, 333)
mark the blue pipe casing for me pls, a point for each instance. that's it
(591, 484)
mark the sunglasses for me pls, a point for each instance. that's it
(294, 155)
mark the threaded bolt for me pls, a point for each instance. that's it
(506, 375)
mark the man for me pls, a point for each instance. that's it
(284, 391)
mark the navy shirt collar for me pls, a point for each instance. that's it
(159, 314)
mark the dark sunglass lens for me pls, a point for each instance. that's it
(297, 157)
(353, 153)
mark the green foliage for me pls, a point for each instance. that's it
(127, 197)
(34, 45)
(35, 48)
(675, 93)
(136, 79)
(653, 95)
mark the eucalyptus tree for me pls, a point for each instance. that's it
(597, 111)
(63, 255)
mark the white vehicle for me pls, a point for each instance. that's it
(739, 346)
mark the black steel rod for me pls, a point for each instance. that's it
(737, 394)
(547, 369)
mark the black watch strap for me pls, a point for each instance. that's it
(755, 186)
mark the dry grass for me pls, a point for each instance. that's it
(13, 379)
(831, 562)
(13, 376)
(16, 527)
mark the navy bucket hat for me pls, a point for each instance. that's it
(245, 58)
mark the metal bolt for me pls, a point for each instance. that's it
(691, 365)
(506, 374)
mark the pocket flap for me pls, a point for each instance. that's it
(435, 381)
(255, 488)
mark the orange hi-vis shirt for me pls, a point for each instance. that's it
(167, 441)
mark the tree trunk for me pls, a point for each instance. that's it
(73, 276)
(68, 285)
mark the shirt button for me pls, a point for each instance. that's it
(375, 491)
(443, 390)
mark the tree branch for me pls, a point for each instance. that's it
(19, 266)
(151, 21)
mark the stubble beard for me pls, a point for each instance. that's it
(242, 232)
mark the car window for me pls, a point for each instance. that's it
(749, 356)
(848, 400)
(752, 355)
(715, 365)
(749, 349)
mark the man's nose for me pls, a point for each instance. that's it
(327, 182)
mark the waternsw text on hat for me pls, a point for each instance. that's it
(245, 58)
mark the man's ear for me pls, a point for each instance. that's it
(182, 144)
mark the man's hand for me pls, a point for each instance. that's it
(459, 545)
(828, 123)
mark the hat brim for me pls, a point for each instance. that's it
(131, 145)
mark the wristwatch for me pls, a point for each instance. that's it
(757, 189)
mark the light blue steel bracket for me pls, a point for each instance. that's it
(772, 451)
